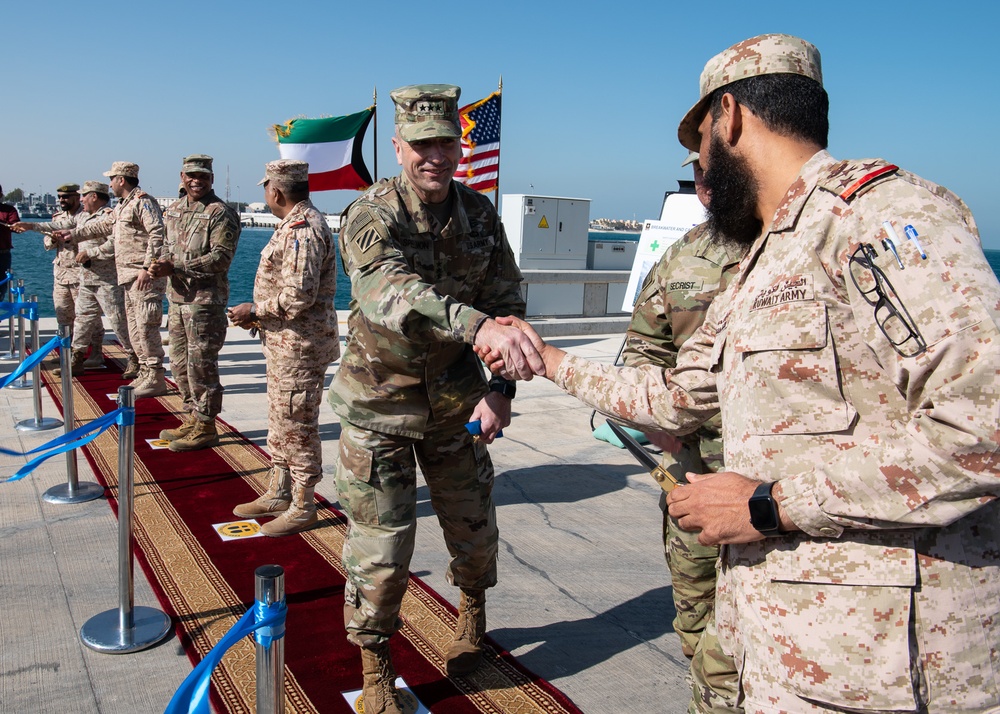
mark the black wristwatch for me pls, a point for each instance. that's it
(764, 510)
(499, 384)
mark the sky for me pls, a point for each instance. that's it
(592, 93)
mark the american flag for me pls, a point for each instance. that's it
(479, 168)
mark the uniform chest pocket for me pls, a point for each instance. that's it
(786, 367)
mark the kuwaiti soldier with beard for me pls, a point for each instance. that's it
(855, 361)
(201, 237)
(136, 223)
(293, 309)
(429, 264)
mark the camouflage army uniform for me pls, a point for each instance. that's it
(889, 597)
(136, 223)
(293, 299)
(669, 309)
(407, 386)
(99, 290)
(201, 238)
(65, 269)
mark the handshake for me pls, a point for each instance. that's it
(511, 349)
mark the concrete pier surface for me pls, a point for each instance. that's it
(584, 598)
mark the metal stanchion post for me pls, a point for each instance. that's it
(72, 491)
(270, 589)
(22, 381)
(129, 628)
(39, 423)
(10, 354)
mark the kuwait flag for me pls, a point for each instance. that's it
(332, 146)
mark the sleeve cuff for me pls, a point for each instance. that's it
(800, 502)
(473, 320)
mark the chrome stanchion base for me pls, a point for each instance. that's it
(28, 384)
(103, 632)
(8, 355)
(83, 492)
(42, 424)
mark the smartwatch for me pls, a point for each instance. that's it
(764, 511)
(499, 384)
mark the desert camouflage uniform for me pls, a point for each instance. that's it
(201, 239)
(136, 223)
(890, 598)
(407, 386)
(65, 269)
(99, 290)
(293, 297)
(669, 309)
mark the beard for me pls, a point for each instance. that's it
(732, 204)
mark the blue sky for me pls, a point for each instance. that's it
(592, 92)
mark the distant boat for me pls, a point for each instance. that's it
(269, 220)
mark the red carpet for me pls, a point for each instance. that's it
(205, 584)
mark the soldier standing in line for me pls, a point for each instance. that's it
(429, 264)
(668, 310)
(201, 237)
(99, 289)
(66, 274)
(293, 309)
(854, 360)
(136, 223)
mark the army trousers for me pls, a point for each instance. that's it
(377, 488)
(64, 300)
(144, 312)
(88, 328)
(293, 415)
(197, 333)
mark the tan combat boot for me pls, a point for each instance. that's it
(95, 360)
(76, 366)
(301, 514)
(187, 423)
(154, 385)
(379, 695)
(203, 435)
(141, 376)
(131, 368)
(275, 500)
(466, 651)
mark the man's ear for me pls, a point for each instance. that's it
(730, 120)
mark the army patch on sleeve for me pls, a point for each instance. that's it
(366, 233)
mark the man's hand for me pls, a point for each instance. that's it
(520, 356)
(82, 257)
(63, 236)
(715, 505)
(161, 268)
(241, 316)
(21, 227)
(143, 281)
(493, 413)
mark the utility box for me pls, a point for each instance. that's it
(547, 232)
(611, 254)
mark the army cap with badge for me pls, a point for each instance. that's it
(197, 163)
(285, 171)
(765, 54)
(427, 111)
(68, 189)
(95, 187)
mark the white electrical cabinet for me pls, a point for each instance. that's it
(547, 232)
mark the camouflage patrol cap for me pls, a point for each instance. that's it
(765, 54)
(286, 171)
(95, 187)
(69, 188)
(197, 163)
(691, 158)
(123, 168)
(427, 111)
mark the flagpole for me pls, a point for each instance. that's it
(496, 193)
(375, 130)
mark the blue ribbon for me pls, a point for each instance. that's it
(29, 363)
(12, 308)
(66, 442)
(192, 696)
(7, 279)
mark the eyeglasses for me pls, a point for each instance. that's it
(891, 315)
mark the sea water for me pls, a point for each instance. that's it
(33, 264)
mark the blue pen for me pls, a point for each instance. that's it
(889, 243)
(911, 234)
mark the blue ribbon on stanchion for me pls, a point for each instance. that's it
(192, 696)
(32, 359)
(70, 440)
(12, 308)
(6, 279)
